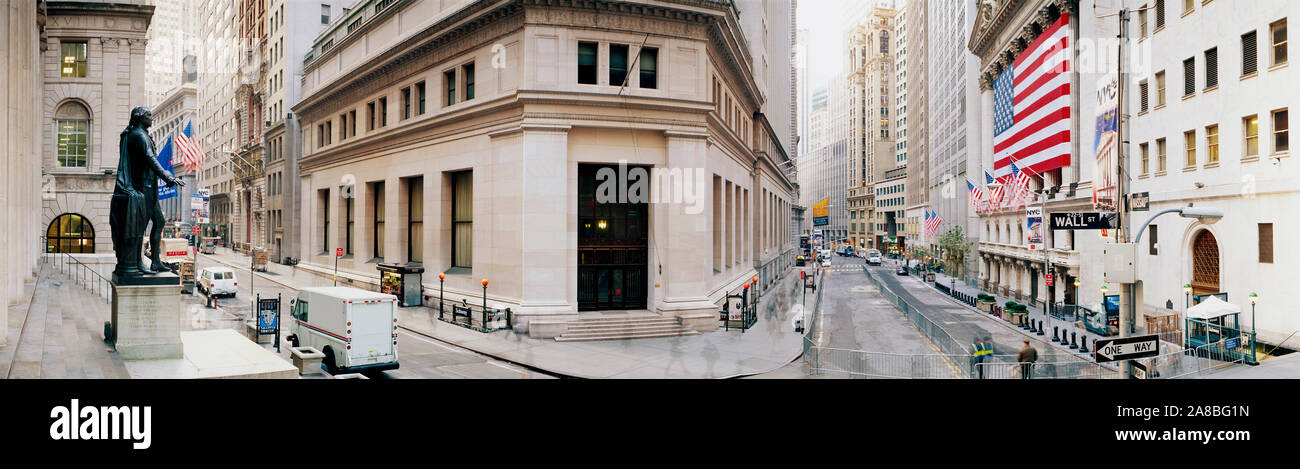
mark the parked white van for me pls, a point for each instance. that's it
(355, 329)
(214, 281)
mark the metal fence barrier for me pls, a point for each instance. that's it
(940, 336)
(1053, 370)
(864, 364)
(1184, 362)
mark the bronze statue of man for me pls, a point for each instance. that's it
(135, 195)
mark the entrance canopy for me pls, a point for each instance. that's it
(1212, 307)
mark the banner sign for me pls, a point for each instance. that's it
(268, 315)
(1034, 223)
(165, 160)
(821, 212)
(1105, 194)
(1140, 202)
(1081, 221)
(199, 206)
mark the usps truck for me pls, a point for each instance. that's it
(355, 329)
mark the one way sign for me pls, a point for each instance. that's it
(1127, 348)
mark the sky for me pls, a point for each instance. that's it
(826, 21)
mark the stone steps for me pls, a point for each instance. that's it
(624, 328)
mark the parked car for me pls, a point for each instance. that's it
(355, 329)
(873, 258)
(216, 281)
(826, 262)
(902, 270)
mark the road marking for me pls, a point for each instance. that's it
(430, 341)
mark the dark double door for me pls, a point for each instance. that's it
(612, 246)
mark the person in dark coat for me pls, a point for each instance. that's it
(1027, 356)
(135, 193)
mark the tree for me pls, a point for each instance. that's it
(955, 250)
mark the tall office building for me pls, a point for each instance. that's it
(912, 115)
(952, 87)
(173, 35)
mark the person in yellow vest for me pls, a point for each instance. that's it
(982, 350)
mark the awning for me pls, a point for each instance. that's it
(1212, 307)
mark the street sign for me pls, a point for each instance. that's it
(1081, 220)
(1127, 348)
(1231, 344)
(1140, 202)
(1050, 277)
(1139, 371)
(338, 252)
(196, 230)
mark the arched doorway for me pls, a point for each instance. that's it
(70, 233)
(1205, 263)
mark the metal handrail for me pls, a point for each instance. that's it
(100, 284)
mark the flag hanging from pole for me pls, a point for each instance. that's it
(188, 147)
(995, 197)
(976, 197)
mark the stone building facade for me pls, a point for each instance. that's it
(92, 68)
(21, 193)
(466, 140)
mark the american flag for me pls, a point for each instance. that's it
(932, 221)
(995, 198)
(1019, 186)
(976, 196)
(191, 152)
(1031, 106)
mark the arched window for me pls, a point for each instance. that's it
(72, 125)
(1205, 264)
(70, 233)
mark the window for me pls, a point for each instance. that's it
(1212, 143)
(1142, 22)
(1212, 68)
(1278, 33)
(1153, 240)
(1189, 144)
(1248, 51)
(462, 219)
(74, 59)
(415, 220)
(1266, 243)
(617, 64)
(383, 112)
(70, 233)
(1188, 6)
(1189, 76)
(323, 199)
(717, 223)
(419, 96)
(1146, 158)
(468, 71)
(1250, 133)
(449, 81)
(1281, 143)
(377, 236)
(1160, 14)
(1143, 95)
(329, 132)
(406, 103)
(649, 65)
(349, 206)
(1160, 155)
(72, 122)
(587, 63)
(1160, 89)
(324, 14)
(370, 114)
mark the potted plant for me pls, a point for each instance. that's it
(986, 302)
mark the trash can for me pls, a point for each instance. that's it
(402, 281)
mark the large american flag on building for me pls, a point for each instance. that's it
(189, 149)
(1031, 106)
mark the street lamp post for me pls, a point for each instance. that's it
(1187, 297)
(1253, 298)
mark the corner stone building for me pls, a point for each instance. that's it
(467, 139)
(92, 68)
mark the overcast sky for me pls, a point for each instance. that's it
(823, 21)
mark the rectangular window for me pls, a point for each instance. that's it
(415, 220)
(1212, 68)
(1250, 134)
(1189, 144)
(1160, 14)
(462, 219)
(1248, 52)
(343, 126)
(1153, 240)
(1212, 143)
(468, 71)
(324, 14)
(1188, 6)
(1266, 243)
(370, 114)
(587, 63)
(730, 247)
(323, 198)
(617, 64)
(1142, 22)
(1160, 89)
(329, 132)
(1189, 76)
(1143, 89)
(72, 143)
(349, 208)
(1160, 155)
(406, 103)
(383, 112)
(419, 96)
(74, 59)
(649, 66)
(449, 84)
(717, 223)
(352, 123)
(377, 237)
(1281, 127)
(1278, 33)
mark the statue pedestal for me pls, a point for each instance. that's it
(146, 317)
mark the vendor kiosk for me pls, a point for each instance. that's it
(402, 281)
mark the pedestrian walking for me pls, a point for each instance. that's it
(1027, 356)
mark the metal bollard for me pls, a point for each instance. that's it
(1033, 325)
(1073, 345)
(1083, 346)
(1040, 328)
(1054, 339)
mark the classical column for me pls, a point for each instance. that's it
(683, 237)
(395, 220)
(9, 129)
(534, 177)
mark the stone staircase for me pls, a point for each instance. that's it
(624, 328)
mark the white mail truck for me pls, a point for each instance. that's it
(355, 329)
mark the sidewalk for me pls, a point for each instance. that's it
(769, 345)
(58, 333)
